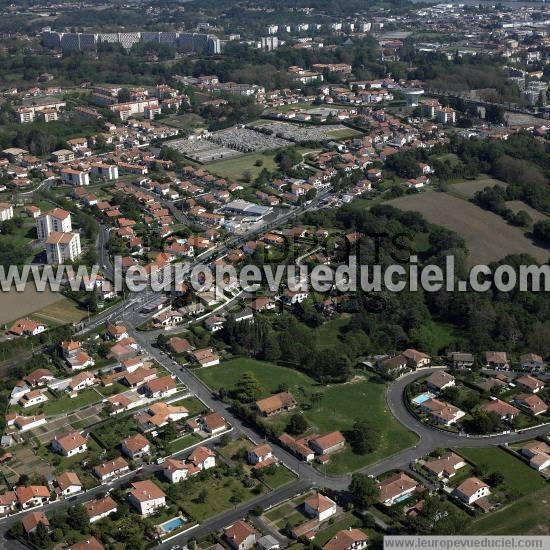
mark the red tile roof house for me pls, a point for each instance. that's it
(176, 470)
(89, 544)
(146, 497)
(529, 383)
(276, 404)
(203, 458)
(8, 502)
(68, 483)
(31, 521)
(240, 536)
(445, 466)
(35, 495)
(531, 403)
(319, 507)
(100, 508)
(213, 423)
(348, 539)
(497, 360)
(503, 410)
(538, 453)
(442, 412)
(27, 327)
(417, 359)
(328, 443)
(135, 446)
(69, 445)
(39, 377)
(471, 490)
(440, 380)
(161, 387)
(110, 469)
(259, 454)
(395, 488)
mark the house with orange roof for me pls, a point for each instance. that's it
(8, 502)
(240, 535)
(32, 398)
(319, 507)
(32, 520)
(395, 488)
(70, 444)
(161, 387)
(34, 495)
(68, 484)
(328, 443)
(90, 543)
(275, 404)
(146, 497)
(471, 490)
(348, 539)
(27, 327)
(112, 468)
(135, 446)
(203, 458)
(100, 508)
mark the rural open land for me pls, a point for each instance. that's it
(489, 238)
(516, 206)
(471, 187)
(14, 305)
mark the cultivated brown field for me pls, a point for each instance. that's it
(488, 236)
(14, 305)
(516, 206)
(470, 188)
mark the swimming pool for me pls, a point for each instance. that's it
(172, 524)
(419, 399)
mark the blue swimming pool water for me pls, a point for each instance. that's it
(419, 399)
(172, 524)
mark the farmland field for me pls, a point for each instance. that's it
(14, 305)
(516, 206)
(470, 188)
(488, 237)
(337, 410)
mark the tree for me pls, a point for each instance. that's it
(202, 496)
(494, 479)
(78, 519)
(248, 388)
(297, 424)
(364, 437)
(363, 490)
(541, 231)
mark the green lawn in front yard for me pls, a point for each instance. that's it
(182, 443)
(517, 475)
(67, 404)
(280, 476)
(218, 494)
(339, 407)
(341, 523)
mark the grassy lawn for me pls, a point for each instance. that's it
(63, 404)
(345, 133)
(233, 169)
(183, 442)
(111, 432)
(218, 495)
(328, 333)
(525, 516)
(280, 476)
(517, 475)
(346, 521)
(192, 404)
(61, 312)
(337, 410)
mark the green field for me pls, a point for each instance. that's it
(339, 407)
(234, 169)
(525, 516)
(61, 312)
(517, 475)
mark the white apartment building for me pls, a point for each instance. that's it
(106, 171)
(62, 247)
(77, 178)
(57, 220)
(6, 211)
